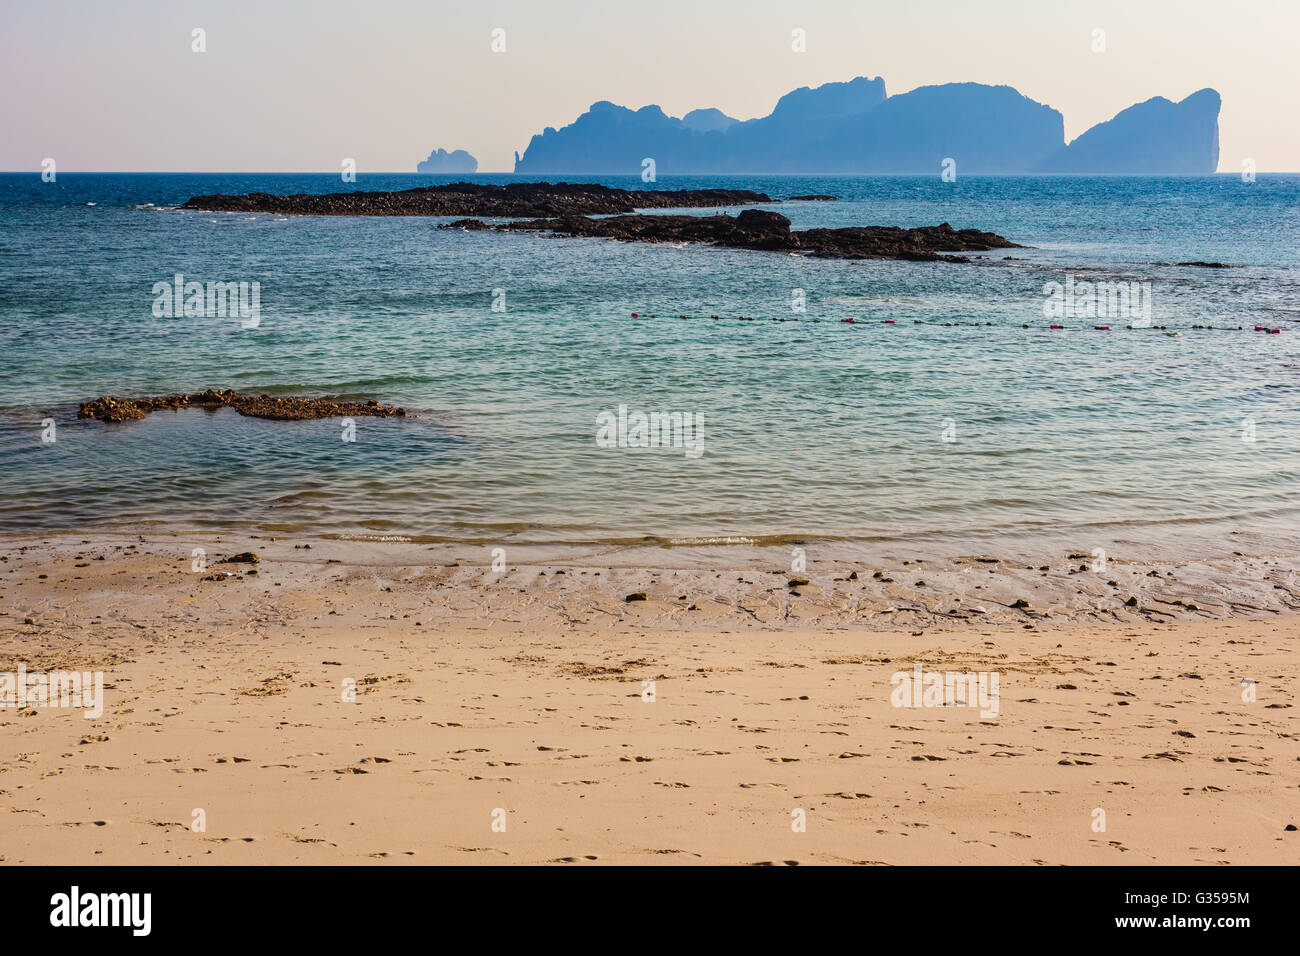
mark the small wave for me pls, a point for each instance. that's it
(695, 542)
(869, 300)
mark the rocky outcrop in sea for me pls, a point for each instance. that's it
(762, 229)
(477, 199)
(279, 407)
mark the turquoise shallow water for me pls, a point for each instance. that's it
(812, 429)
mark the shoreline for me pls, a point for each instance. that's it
(696, 584)
(527, 696)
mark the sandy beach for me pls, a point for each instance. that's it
(349, 701)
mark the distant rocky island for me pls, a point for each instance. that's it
(764, 230)
(441, 161)
(1155, 138)
(477, 199)
(855, 128)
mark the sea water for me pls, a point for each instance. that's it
(952, 424)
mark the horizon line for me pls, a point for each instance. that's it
(486, 172)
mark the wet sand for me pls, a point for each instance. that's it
(519, 696)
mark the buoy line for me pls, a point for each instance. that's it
(948, 325)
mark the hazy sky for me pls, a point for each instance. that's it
(290, 85)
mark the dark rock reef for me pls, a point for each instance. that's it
(278, 407)
(476, 199)
(765, 230)
(567, 208)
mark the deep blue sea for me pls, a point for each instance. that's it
(955, 425)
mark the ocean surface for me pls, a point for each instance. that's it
(955, 427)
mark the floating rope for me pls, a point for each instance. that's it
(1098, 328)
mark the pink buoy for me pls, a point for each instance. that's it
(635, 315)
(891, 321)
(1261, 328)
(846, 320)
(1056, 326)
(1274, 331)
(1102, 328)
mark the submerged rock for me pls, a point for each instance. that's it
(279, 407)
